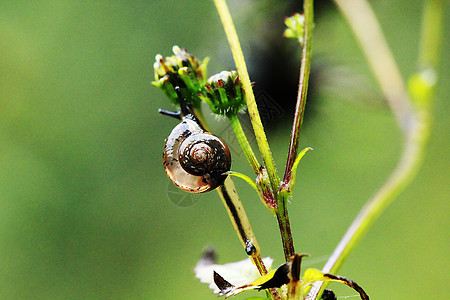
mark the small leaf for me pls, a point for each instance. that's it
(249, 181)
(274, 279)
(223, 285)
(312, 275)
(348, 282)
(245, 177)
(237, 273)
(288, 187)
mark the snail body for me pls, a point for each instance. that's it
(195, 159)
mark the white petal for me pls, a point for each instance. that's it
(237, 273)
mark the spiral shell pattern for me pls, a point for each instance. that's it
(194, 159)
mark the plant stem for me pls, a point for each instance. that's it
(238, 217)
(262, 187)
(416, 138)
(285, 230)
(405, 171)
(245, 145)
(238, 57)
(430, 47)
(370, 37)
(302, 88)
(282, 213)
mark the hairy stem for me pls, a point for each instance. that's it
(302, 88)
(238, 57)
(282, 213)
(285, 230)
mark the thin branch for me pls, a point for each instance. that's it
(245, 145)
(239, 219)
(416, 138)
(431, 41)
(370, 37)
(281, 212)
(238, 57)
(302, 88)
(404, 173)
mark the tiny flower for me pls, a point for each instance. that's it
(182, 70)
(295, 25)
(224, 92)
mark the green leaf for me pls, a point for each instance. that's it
(312, 275)
(246, 178)
(289, 187)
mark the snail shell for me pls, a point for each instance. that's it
(195, 159)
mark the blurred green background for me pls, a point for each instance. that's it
(84, 207)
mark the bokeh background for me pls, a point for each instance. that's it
(84, 205)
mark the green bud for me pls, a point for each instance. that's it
(183, 70)
(295, 25)
(421, 86)
(224, 93)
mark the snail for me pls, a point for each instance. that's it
(193, 158)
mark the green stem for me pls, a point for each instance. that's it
(369, 35)
(245, 145)
(404, 173)
(263, 187)
(285, 230)
(284, 189)
(416, 139)
(238, 57)
(281, 211)
(430, 47)
(302, 88)
(238, 216)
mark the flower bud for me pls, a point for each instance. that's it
(224, 93)
(182, 70)
(295, 25)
